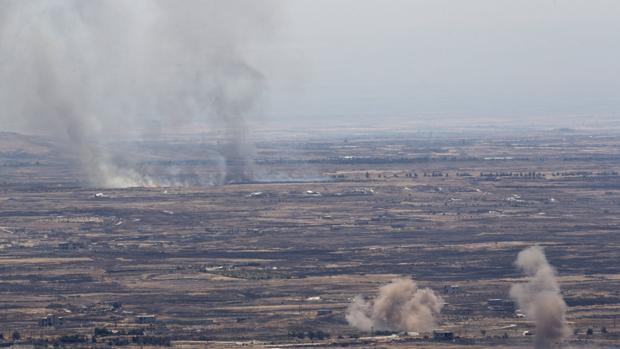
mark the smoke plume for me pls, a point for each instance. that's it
(399, 306)
(90, 71)
(540, 298)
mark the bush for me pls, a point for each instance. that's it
(118, 342)
(136, 332)
(320, 335)
(152, 340)
(75, 338)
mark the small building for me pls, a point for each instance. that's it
(441, 335)
(69, 245)
(452, 289)
(146, 319)
(498, 304)
(51, 320)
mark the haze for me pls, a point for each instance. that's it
(371, 62)
(356, 174)
(411, 60)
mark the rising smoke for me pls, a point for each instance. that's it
(90, 71)
(540, 298)
(399, 306)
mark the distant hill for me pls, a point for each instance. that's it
(15, 144)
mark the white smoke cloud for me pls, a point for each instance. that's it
(399, 306)
(540, 298)
(87, 71)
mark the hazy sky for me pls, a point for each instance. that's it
(327, 61)
(461, 59)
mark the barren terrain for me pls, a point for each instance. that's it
(329, 218)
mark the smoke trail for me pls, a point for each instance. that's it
(399, 306)
(540, 298)
(91, 71)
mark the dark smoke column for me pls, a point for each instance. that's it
(236, 90)
(239, 167)
(92, 72)
(540, 298)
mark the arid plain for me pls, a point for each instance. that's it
(275, 262)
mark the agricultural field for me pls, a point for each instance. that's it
(275, 261)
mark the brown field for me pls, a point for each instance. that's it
(221, 267)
